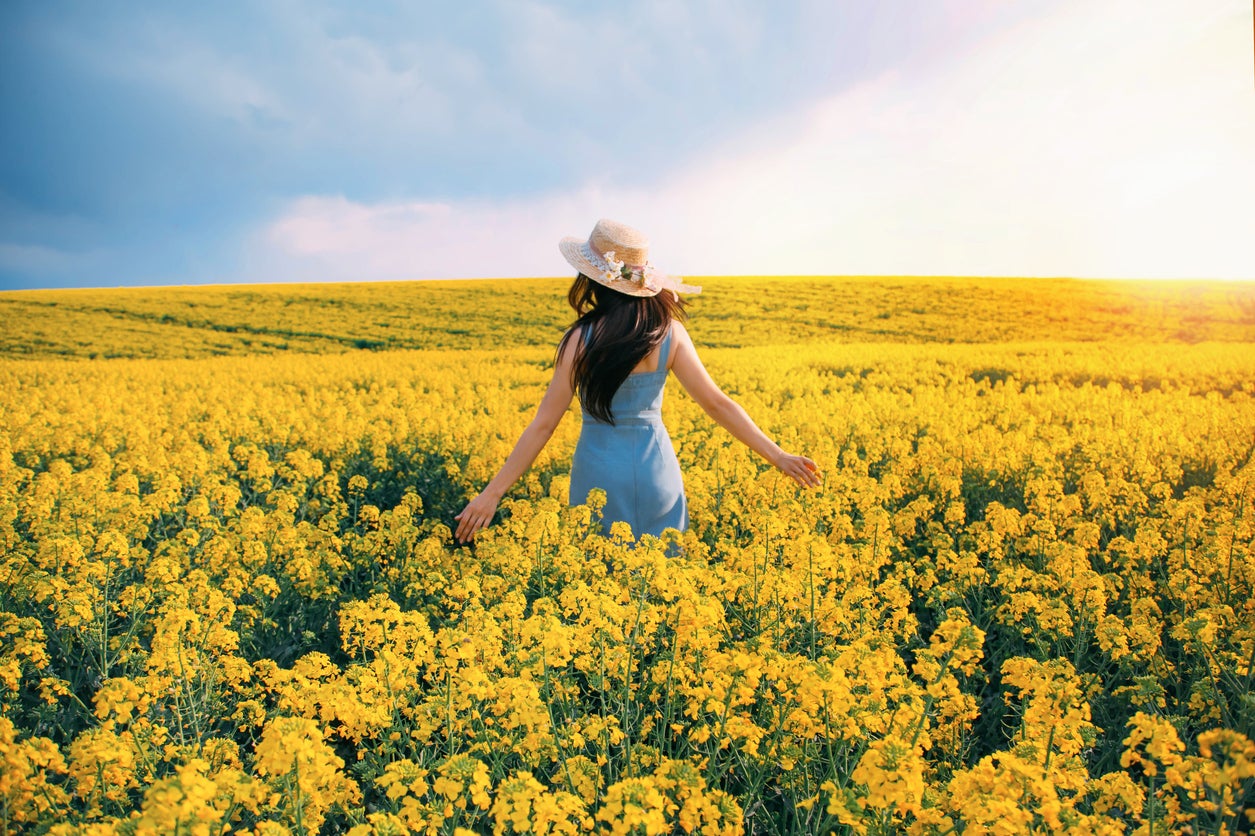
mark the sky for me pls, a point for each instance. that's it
(280, 141)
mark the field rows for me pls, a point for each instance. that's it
(176, 322)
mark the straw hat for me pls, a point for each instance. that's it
(617, 256)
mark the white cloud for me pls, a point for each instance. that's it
(333, 238)
(1097, 140)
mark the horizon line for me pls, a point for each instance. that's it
(696, 276)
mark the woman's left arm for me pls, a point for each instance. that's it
(479, 512)
(692, 374)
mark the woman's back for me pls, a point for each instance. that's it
(641, 392)
(659, 357)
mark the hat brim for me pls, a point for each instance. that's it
(579, 254)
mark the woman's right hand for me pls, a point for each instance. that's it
(800, 469)
(477, 514)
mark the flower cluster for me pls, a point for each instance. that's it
(617, 271)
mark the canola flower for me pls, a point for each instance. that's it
(1022, 603)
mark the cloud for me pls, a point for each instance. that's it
(334, 238)
(1090, 141)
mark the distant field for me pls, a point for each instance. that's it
(732, 312)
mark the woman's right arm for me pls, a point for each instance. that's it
(692, 374)
(479, 512)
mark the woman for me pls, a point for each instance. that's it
(628, 335)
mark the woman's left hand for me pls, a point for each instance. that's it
(800, 469)
(477, 514)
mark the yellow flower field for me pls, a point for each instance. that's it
(1021, 603)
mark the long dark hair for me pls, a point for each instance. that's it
(621, 330)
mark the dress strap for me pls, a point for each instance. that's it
(665, 353)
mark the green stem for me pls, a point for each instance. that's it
(723, 725)
(448, 709)
(553, 723)
(294, 782)
(810, 583)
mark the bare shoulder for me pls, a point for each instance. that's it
(680, 341)
(569, 344)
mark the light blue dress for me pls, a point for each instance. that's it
(633, 460)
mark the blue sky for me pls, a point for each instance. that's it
(181, 143)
